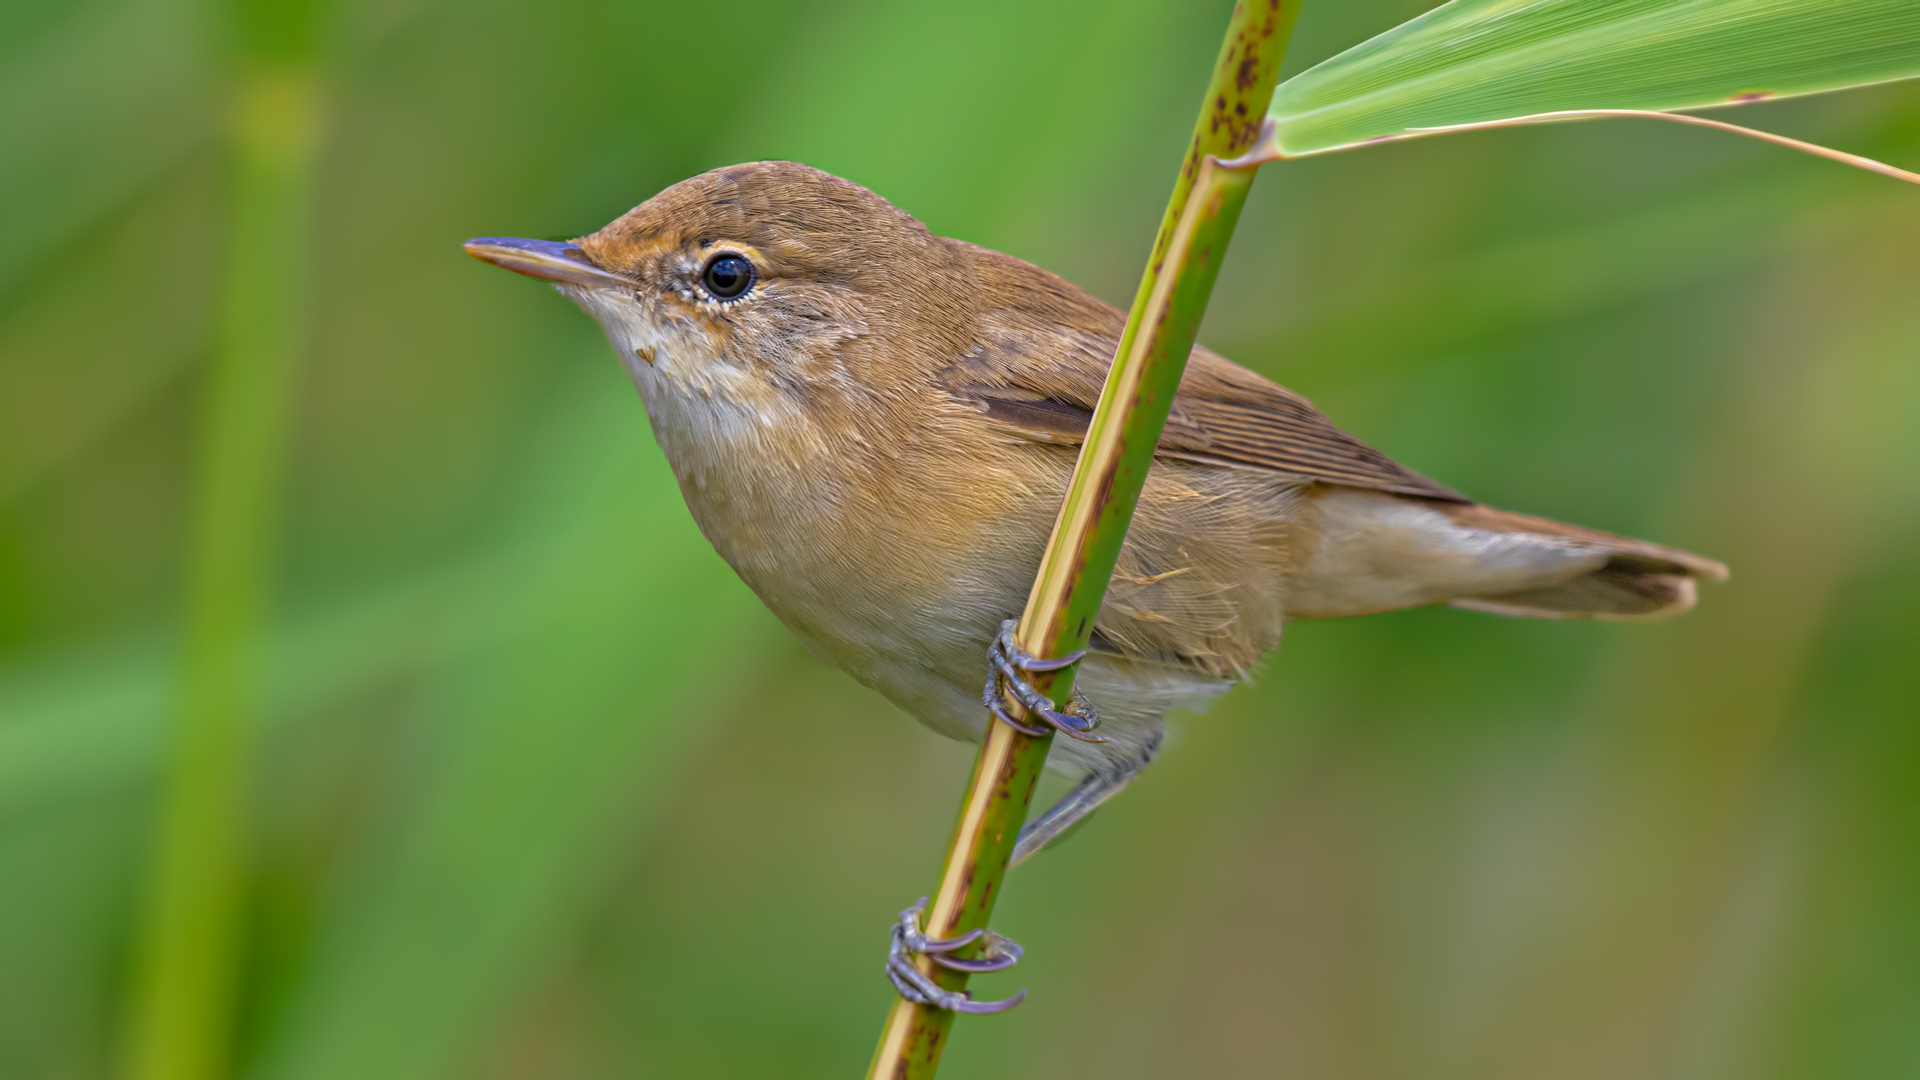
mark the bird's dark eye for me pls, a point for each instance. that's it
(728, 276)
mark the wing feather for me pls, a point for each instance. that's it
(1042, 354)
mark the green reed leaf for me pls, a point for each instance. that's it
(1475, 61)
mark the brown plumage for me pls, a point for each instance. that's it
(876, 432)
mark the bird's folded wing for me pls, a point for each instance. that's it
(1041, 380)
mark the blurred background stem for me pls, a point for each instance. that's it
(183, 1012)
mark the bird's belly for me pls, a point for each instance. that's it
(904, 589)
(923, 647)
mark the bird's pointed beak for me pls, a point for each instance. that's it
(548, 260)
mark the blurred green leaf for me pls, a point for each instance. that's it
(75, 724)
(558, 738)
(79, 725)
(1473, 61)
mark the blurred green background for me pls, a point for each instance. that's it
(542, 792)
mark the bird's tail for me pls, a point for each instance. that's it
(1638, 580)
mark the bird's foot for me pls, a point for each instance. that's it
(1007, 663)
(997, 954)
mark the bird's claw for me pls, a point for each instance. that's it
(1007, 663)
(999, 954)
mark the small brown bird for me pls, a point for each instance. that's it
(875, 426)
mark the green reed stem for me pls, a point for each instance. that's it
(185, 997)
(1100, 500)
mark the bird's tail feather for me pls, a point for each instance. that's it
(1639, 580)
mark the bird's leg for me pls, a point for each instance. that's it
(1007, 665)
(1007, 662)
(998, 954)
(1075, 805)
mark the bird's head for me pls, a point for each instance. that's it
(760, 281)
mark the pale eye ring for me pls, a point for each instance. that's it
(728, 276)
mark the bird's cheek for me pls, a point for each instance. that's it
(647, 353)
(674, 349)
